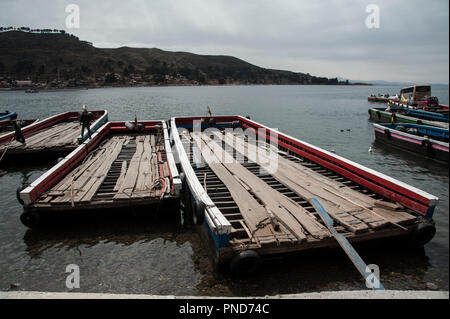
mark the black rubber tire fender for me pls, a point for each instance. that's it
(30, 219)
(423, 233)
(387, 133)
(245, 262)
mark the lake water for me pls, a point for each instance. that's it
(162, 256)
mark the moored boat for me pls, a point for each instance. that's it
(8, 116)
(402, 115)
(246, 208)
(431, 142)
(122, 166)
(58, 134)
(437, 110)
(382, 98)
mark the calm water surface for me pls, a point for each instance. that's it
(160, 255)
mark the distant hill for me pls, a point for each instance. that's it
(388, 83)
(58, 56)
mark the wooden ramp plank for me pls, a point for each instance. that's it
(127, 187)
(145, 170)
(123, 171)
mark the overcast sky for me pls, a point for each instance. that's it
(321, 37)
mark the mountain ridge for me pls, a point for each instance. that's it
(58, 57)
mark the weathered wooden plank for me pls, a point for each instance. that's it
(75, 184)
(121, 178)
(129, 182)
(397, 217)
(145, 170)
(99, 176)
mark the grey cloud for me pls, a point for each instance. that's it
(326, 36)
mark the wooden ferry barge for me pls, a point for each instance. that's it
(430, 142)
(60, 133)
(119, 167)
(245, 211)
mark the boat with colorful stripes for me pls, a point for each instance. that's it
(440, 108)
(249, 188)
(386, 115)
(430, 142)
(8, 115)
(124, 165)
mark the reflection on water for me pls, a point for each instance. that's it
(155, 254)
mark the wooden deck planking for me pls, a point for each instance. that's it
(99, 175)
(252, 212)
(351, 202)
(129, 183)
(303, 188)
(90, 173)
(74, 182)
(288, 212)
(123, 171)
(154, 183)
(58, 135)
(135, 179)
(145, 170)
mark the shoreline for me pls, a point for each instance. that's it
(172, 85)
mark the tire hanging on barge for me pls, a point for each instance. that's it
(245, 262)
(423, 233)
(30, 219)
